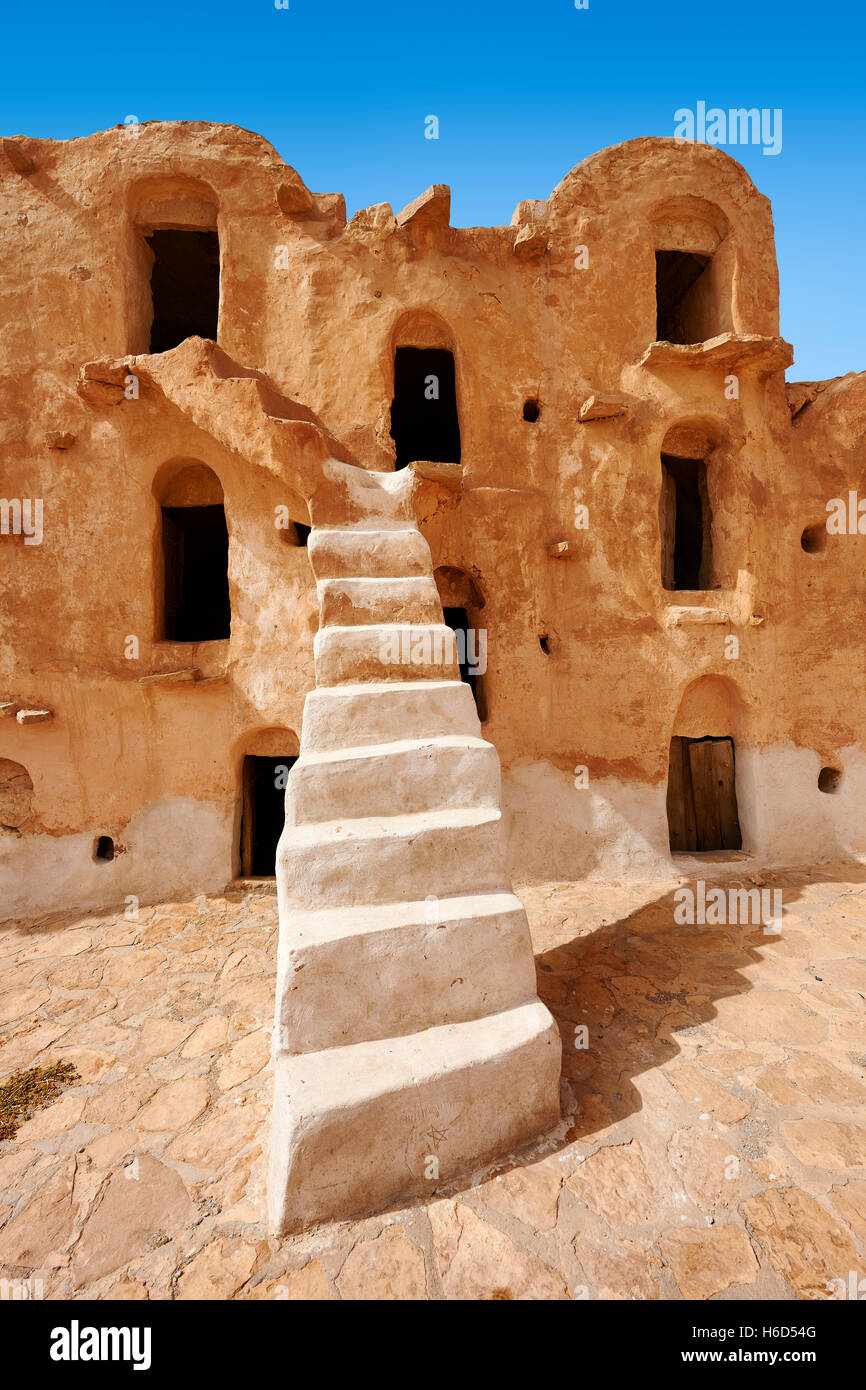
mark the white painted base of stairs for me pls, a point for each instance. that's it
(410, 1044)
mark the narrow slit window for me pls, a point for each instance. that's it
(686, 524)
(424, 423)
(468, 654)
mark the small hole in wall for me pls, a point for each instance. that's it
(829, 780)
(103, 850)
(531, 411)
(544, 644)
(814, 538)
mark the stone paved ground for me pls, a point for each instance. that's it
(713, 1143)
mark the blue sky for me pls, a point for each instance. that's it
(523, 91)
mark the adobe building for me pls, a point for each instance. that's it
(259, 463)
(629, 505)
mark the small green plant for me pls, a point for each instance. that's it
(30, 1090)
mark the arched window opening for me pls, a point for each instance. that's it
(686, 524)
(184, 286)
(195, 550)
(176, 251)
(694, 271)
(424, 420)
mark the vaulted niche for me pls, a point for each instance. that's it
(175, 255)
(694, 261)
(194, 553)
(424, 422)
(684, 308)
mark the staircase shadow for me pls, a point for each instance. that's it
(634, 986)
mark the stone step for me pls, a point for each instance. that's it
(414, 774)
(376, 554)
(385, 652)
(355, 602)
(345, 716)
(379, 859)
(362, 499)
(347, 975)
(358, 1126)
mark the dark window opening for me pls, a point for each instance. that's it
(829, 779)
(531, 411)
(544, 644)
(684, 297)
(702, 796)
(196, 549)
(184, 285)
(302, 532)
(469, 652)
(686, 529)
(424, 423)
(104, 848)
(263, 814)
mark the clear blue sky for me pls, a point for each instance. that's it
(523, 91)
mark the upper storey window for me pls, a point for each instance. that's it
(684, 297)
(693, 272)
(184, 286)
(175, 288)
(424, 423)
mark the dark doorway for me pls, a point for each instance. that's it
(685, 521)
(424, 423)
(184, 285)
(702, 795)
(264, 813)
(684, 303)
(468, 653)
(196, 550)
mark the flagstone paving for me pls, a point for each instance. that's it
(713, 1143)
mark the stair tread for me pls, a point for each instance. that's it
(332, 922)
(348, 1076)
(404, 745)
(375, 827)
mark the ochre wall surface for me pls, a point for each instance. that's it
(318, 306)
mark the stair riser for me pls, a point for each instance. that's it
(354, 1158)
(417, 779)
(374, 554)
(384, 984)
(344, 656)
(353, 719)
(345, 602)
(444, 861)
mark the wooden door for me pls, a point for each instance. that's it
(702, 798)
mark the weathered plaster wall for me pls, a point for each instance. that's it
(319, 305)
